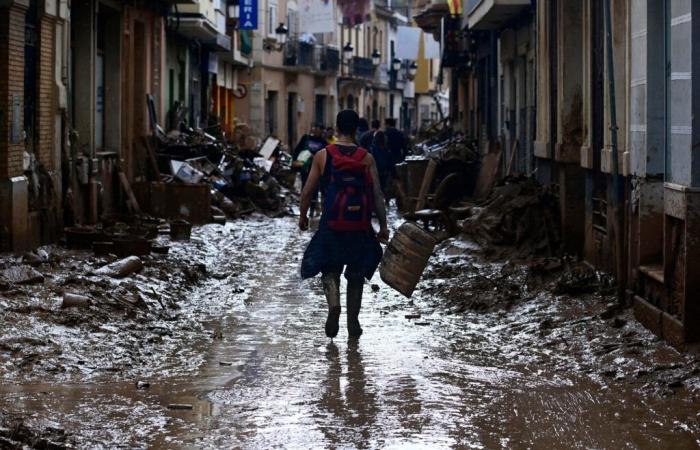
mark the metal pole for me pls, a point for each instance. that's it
(617, 179)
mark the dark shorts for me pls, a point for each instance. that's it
(356, 253)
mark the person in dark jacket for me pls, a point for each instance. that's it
(362, 128)
(385, 164)
(304, 152)
(396, 140)
(367, 137)
(331, 251)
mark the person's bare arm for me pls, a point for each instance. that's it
(309, 189)
(379, 207)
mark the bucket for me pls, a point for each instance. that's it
(180, 230)
(405, 258)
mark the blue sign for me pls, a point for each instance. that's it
(249, 15)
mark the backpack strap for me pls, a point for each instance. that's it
(359, 154)
(333, 150)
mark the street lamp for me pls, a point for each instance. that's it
(396, 64)
(376, 57)
(412, 69)
(347, 51)
(281, 31)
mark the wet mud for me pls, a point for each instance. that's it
(488, 354)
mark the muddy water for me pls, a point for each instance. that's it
(270, 378)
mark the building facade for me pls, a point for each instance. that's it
(33, 107)
(535, 78)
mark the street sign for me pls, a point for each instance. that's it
(249, 15)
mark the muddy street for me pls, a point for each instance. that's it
(256, 370)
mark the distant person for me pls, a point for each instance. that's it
(362, 128)
(385, 164)
(347, 175)
(304, 152)
(367, 137)
(330, 135)
(396, 140)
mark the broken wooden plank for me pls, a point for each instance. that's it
(425, 186)
(132, 203)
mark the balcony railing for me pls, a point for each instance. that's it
(299, 54)
(306, 56)
(311, 57)
(362, 67)
(331, 60)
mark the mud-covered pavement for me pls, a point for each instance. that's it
(232, 354)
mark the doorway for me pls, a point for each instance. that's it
(320, 109)
(291, 119)
(271, 113)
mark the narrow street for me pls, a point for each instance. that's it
(261, 374)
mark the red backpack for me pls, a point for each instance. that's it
(348, 201)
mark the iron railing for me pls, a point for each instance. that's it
(362, 67)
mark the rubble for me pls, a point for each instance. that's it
(519, 218)
(242, 174)
(121, 268)
(22, 275)
(18, 432)
(74, 300)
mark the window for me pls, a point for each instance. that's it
(271, 19)
(368, 41)
(293, 22)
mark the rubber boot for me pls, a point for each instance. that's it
(331, 287)
(354, 304)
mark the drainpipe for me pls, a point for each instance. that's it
(618, 180)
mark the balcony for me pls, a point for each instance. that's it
(204, 21)
(330, 60)
(314, 58)
(299, 54)
(493, 14)
(362, 67)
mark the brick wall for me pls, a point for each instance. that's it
(46, 92)
(11, 83)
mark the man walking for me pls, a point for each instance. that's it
(396, 140)
(345, 240)
(367, 137)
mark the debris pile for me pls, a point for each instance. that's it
(241, 176)
(440, 173)
(522, 214)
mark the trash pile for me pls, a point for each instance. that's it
(243, 178)
(520, 214)
(449, 148)
(438, 175)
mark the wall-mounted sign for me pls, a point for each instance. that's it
(249, 15)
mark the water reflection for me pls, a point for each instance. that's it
(349, 400)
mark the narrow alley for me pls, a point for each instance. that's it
(260, 373)
(349, 224)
